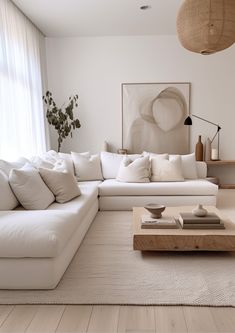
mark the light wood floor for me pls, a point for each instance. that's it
(121, 319)
(118, 319)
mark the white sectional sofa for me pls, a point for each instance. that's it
(115, 195)
(36, 246)
(123, 196)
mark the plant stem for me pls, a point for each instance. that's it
(59, 146)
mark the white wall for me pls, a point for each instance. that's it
(95, 67)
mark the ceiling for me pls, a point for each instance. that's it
(69, 18)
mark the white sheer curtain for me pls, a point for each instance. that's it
(22, 121)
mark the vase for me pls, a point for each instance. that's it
(199, 211)
(208, 150)
(199, 149)
(105, 146)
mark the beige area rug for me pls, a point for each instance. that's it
(106, 270)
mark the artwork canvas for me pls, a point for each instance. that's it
(153, 117)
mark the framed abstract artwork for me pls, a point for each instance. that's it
(153, 117)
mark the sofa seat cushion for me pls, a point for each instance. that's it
(111, 187)
(44, 233)
(33, 234)
(81, 204)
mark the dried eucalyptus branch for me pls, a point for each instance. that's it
(61, 118)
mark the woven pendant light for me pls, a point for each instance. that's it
(206, 26)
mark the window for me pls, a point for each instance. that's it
(22, 122)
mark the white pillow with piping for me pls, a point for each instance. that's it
(189, 166)
(134, 171)
(87, 167)
(164, 170)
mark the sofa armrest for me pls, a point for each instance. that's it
(201, 169)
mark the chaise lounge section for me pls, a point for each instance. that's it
(37, 246)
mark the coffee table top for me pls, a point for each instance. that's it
(174, 211)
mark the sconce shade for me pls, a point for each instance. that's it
(206, 26)
(188, 121)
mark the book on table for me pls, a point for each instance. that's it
(165, 222)
(210, 221)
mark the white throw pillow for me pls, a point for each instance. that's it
(8, 200)
(110, 163)
(62, 184)
(136, 171)
(30, 189)
(51, 156)
(67, 158)
(63, 166)
(87, 167)
(166, 170)
(189, 166)
(6, 166)
(39, 162)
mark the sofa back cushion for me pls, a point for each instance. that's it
(8, 200)
(68, 162)
(201, 169)
(6, 166)
(87, 167)
(189, 167)
(163, 156)
(62, 184)
(50, 156)
(30, 189)
(110, 163)
(38, 162)
(134, 171)
(164, 170)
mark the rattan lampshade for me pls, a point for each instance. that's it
(206, 26)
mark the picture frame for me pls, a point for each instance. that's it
(153, 117)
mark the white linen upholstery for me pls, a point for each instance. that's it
(81, 204)
(110, 163)
(44, 273)
(128, 202)
(62, 184)
(111, 187)
(134, 171)
(8, 200)
(37, 246)
(35, 233)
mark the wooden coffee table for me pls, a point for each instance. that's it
(182, 239)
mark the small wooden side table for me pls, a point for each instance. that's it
(220, 163)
